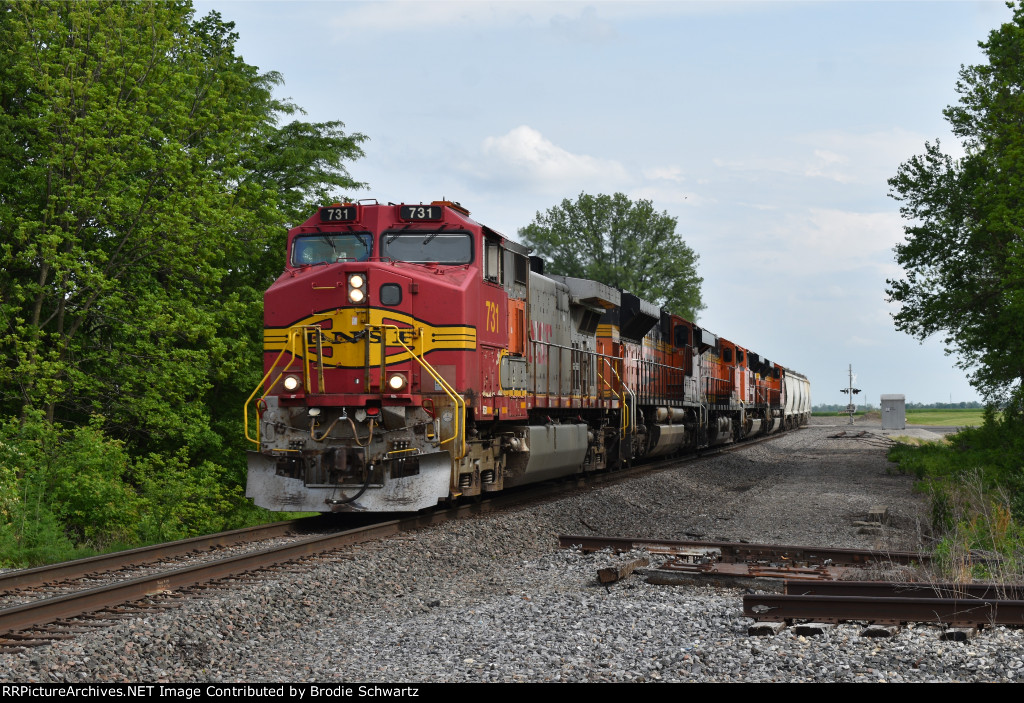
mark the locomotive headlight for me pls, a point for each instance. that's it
(291, 383)
(356, 288)
(397, 381)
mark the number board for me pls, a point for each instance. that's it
(421, 213)
(339, 213)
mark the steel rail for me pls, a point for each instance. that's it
(955, 612)
(889, 589)
(38, 576)
(72, 605)
(740, 551)
(49, 610)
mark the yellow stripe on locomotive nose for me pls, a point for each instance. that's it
(344, 338)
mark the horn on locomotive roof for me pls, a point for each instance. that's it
(453, 205)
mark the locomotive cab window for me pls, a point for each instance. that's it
(682, 335)
(427, 247)
(522, 266)
(492, 262)
(308, 249)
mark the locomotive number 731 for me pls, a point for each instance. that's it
(491, 316)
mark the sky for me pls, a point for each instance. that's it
(768, 129)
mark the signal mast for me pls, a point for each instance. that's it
(850, 391)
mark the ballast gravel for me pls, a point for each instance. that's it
(493, 598)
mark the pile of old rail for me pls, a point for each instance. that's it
(816, 583)
(743, 564)
(880, 603)
(865, 436)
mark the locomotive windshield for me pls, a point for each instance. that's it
(329, 248)
(425, 246)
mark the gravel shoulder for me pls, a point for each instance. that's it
(493, 598)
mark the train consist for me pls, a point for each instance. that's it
(413, 355)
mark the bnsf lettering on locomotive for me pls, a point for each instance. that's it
(345, 338)
(373, 336)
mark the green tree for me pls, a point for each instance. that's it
(963, 254)
(612, 239)
(146, 181)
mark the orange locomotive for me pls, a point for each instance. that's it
(413, 355)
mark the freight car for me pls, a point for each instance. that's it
(413, 356)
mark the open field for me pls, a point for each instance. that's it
(944, 416)
(926, 416)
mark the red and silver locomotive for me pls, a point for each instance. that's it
(413, 355)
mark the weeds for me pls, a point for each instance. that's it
(975, 487)
(978, 538)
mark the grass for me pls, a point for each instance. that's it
(959, 417)
(917, 441)
(941, 416)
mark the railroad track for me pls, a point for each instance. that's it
(47, 617)
(51, 617)
(40, 605)
(816, 583)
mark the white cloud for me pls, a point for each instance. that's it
(870, 157)
(843, 157)
(836, 235)
(819, 163)
(664, 173)
(524, 157)
(829, 165)
(822, 242)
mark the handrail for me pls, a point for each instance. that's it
(289, 346)
(626, 409)
(460, 402)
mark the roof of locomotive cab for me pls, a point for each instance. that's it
(373, 215)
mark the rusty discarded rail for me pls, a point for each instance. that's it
(889, 589)
(953, 612)
(742, 552)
